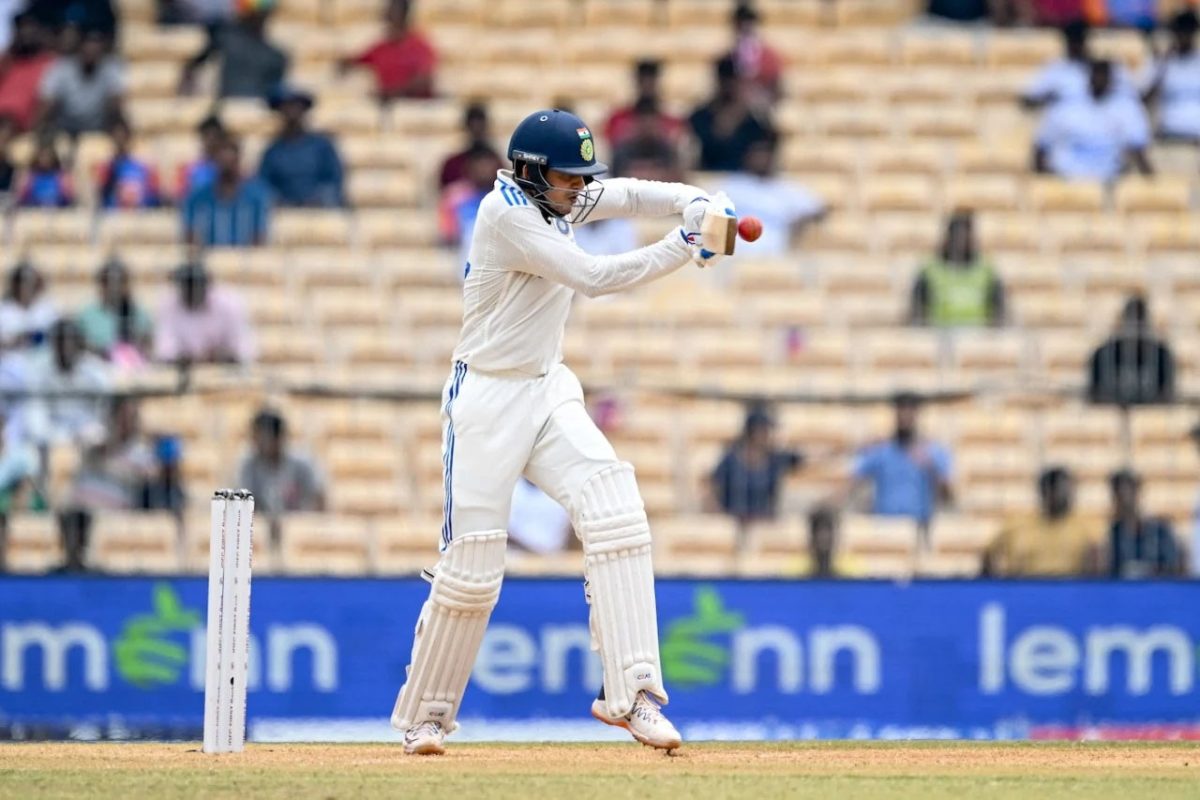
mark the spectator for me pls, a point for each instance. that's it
(82, 93)
(758, 64)
(476, 126)
(725, 126)
(1094, 137)
(647, 152)
(746, 481)
(164, 489)
(113, 471)
(301, 167)
(115, 319)
(1138, 546)
(784, 207)
(1068, 78)
(459, 203)
(1054, 543)
(229, 211)
(22, 69)
(74, 530)
(1172, 82)
(281, 480)
(403, 62)
(65, 368)
(46, 184)
(958, 287)
(203, 170)
(537, 524)
(1133, 367)
(909, 475)
(202, 323)
(250, 65)
(127, 181)
(623, 121)
(26, 313)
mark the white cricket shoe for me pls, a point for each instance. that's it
(425, 739)
(645, 722)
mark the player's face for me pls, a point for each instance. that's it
(564, 189)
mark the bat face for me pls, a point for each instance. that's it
(718, 231)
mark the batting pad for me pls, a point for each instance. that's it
(465, 588)
(611, 522)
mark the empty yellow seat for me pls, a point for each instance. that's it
(325, 544)
(33, 543)
(294, 226)
(1055, 194)
(136, 542)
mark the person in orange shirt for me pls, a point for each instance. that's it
(1055, 543)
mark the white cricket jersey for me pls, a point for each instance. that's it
(523, 271)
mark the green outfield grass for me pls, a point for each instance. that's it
(748, 771)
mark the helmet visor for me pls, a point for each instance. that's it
(591, 170)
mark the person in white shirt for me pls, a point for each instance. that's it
(26, 313)
(1066, 78)
(512, 408)
(1095, 137)
(65, 368)
(1172, 82)
(784, 207)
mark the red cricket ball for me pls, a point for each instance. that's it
(750, 228)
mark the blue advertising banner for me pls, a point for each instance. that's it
(747, 659)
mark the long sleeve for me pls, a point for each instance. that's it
(541, 249)
(630, 197)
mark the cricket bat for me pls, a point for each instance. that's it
(718, 231)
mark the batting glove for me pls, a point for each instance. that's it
(693, 218)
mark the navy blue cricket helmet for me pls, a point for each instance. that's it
(557, 140)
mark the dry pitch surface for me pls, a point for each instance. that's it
(578, 771)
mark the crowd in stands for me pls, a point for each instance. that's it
(61, 77)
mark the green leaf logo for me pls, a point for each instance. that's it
(144, 655)
(688, 659)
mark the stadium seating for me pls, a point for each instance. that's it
(894, 124)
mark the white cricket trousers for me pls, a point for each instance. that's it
(496, 428)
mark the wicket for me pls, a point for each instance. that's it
(228, 633)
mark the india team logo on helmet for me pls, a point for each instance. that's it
(586, 148)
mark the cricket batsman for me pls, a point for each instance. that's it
(512, 408)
